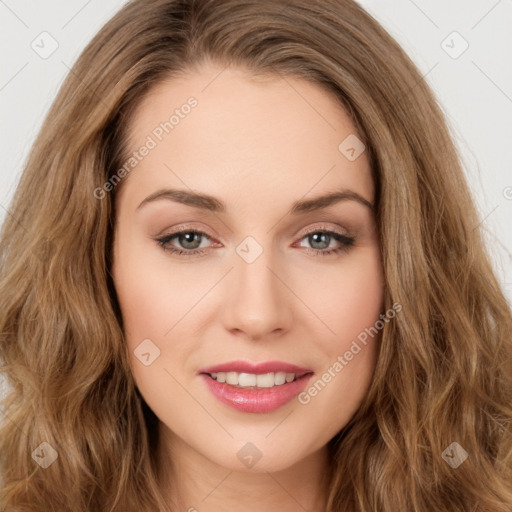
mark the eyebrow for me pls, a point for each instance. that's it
(210, 203)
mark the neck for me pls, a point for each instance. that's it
(191, 482)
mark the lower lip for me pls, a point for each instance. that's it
(256, 400)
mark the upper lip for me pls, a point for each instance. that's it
(256, 368)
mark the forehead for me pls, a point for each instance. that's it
(245, 136)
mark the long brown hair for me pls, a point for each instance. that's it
(444, 373)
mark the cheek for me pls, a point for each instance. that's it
(333, 397)
(347, 297)
(350, 305)
(156, 303)
(153, 295)
(150, 311)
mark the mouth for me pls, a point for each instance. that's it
(255, 381)
(255, 388)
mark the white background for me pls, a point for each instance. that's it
(474, 89)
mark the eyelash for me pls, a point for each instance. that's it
(346, 242)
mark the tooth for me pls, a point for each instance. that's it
(246, 380)
(280, 378)
(265, 380)
(232, 378)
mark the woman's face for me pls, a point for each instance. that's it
(270, 283)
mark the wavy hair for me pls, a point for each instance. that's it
(444, 372)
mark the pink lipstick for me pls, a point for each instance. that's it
(256, 388)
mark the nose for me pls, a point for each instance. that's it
(258, 302)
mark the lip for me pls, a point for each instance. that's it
(261, 400)
(256, 368)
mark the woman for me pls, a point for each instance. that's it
(149, 374)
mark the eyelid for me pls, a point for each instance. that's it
(324, 227)
(184, 228)
(345, 239)
(321, 226)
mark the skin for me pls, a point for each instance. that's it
(258, 146)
